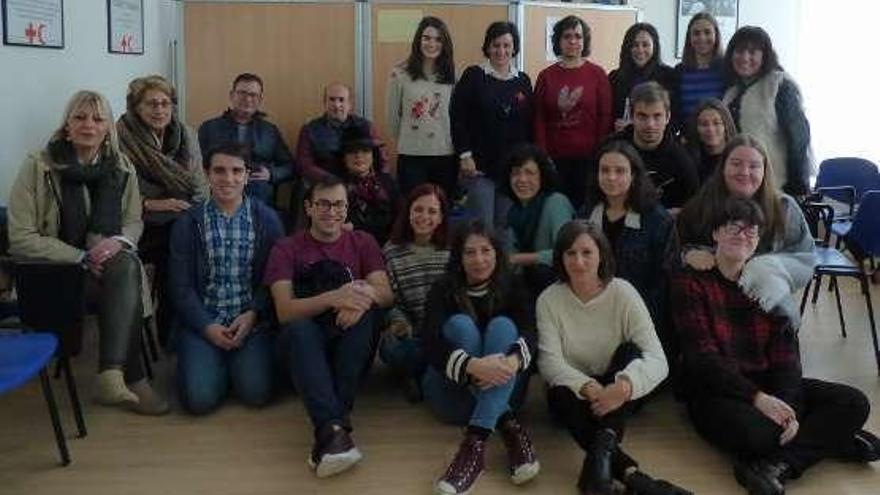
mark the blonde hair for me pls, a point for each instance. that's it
(139, 87)
(97, 102)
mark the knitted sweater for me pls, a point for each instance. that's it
(572, 110)
(489, 115)
(695, 85)
(412, 270)
(577, 340)
(417, 114)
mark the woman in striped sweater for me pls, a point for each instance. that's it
(416, 256)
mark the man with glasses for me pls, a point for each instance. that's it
(743, 378)
(328, 284)
(243, 122)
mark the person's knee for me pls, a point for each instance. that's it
(460, 328)
(123, 268)
(502, 328)
(200, 397)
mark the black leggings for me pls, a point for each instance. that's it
(120, 315)
(575, 414)
(829, 416)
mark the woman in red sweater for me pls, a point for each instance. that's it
(572, 106)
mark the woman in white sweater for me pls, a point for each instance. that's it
(599, 354)
(417, 110)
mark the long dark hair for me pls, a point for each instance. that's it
(691, 131)
(500, 281)
(642, 196)
(689, 55)
(518, 157)
(751, 37)
(402, 232)
(445, 67)
(626, 67)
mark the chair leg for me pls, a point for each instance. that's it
(839, 308)
(145, 356)
(816, 289)
(873, 326)
(53, 414)
(150, 338)
(64, 364)
(806, 294)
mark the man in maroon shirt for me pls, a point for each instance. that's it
(742, 372)
(326, 284)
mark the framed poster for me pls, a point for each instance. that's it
(37, 23)
(726, 12)
(125, 26)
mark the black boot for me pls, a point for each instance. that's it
(595, 477)
(640, 483)
(762, 477)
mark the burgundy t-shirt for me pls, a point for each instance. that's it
(291, 255)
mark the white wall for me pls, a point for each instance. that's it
(35, 83)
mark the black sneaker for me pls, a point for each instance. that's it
(334, 453)
(595, 477)
(867, 447)
(466, 468)
(761, 477)
(522, 464)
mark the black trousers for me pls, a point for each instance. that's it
(829, 415)
(576, 416)
(440, 170)
(573, 174)
(153, 250)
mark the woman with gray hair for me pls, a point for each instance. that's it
(170, 177)
(77, 201)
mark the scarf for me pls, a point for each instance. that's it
(167, 167)
(523, 219)
(367, 192)
(103, 181)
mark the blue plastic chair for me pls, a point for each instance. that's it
(24, 356)
(863, 241)
(846, 180)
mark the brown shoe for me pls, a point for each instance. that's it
(522, 463)
(149, 402)
(466, 467)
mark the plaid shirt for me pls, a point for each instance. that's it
(230, 251)
(730, 346)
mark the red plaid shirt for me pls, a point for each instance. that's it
(730, 346)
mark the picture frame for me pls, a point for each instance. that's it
(125, 27)
(726, 12)
(33, 23)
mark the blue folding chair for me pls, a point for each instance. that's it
(22, 357)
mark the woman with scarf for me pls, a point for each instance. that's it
(77, 201)
(170, 177)
(372, 194)
(536, 215)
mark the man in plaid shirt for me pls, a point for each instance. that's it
(743, 383)
(218, 253)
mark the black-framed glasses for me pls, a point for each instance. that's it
(750, 231)
(325, 205)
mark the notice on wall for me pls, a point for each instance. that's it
(398, 26)
(125, 26)
(38, 23)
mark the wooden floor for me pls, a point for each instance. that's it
(238, 450)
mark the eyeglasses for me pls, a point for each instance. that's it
(324, 205)
(246, 94)
(154, 104)
(750, 231)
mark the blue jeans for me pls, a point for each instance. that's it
(204, 371)
(486, 202)
(458, 404)
(326, 367)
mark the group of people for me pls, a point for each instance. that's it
(624, 231)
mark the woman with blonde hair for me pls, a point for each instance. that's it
(167, 160)
(77, 201)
